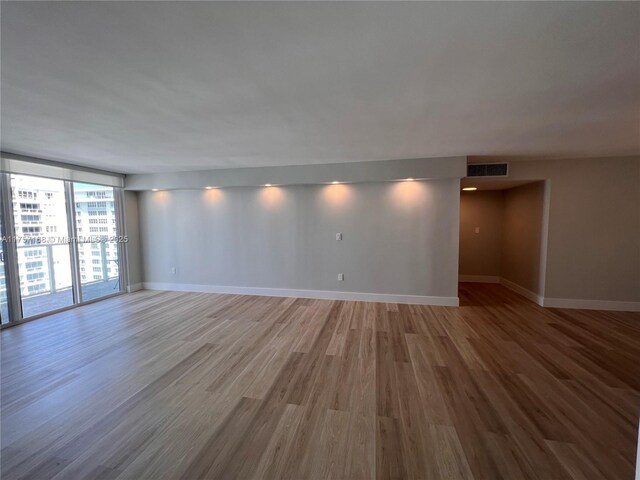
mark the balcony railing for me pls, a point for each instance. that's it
(56, 291)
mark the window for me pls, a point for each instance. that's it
(45, 258)
(29, 206)
(35, 276)
(27, 194)
(98, 194)
(44, 267)
(97, 203)
(4, 297)
(34, 289)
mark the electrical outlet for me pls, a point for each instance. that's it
(338, 236)
(341, 277)
(173, 270)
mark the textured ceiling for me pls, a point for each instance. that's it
(170, 86)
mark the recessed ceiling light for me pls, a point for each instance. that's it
(410, 179)
(335, 182)
(154, 189)
(268, 185)
(470, 189)
(208, 188)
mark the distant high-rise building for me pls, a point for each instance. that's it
(40, 222)
(96, 228)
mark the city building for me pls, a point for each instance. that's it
(96, 228)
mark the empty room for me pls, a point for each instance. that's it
(319, 240)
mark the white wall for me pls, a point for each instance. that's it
(480, 253)
(593, 244)
(593, 250)
(522, 237)
(399, 238)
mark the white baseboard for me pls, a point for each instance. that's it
(592, 304)
(534, 297)
(393, 298)
(479, 278)
(572, 302)
(135, 287)
(317, 294)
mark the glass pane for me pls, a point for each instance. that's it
(4, 305)
(40, 217)
(96, 230)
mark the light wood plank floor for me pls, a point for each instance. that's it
(186, 386)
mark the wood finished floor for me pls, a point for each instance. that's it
(187, 386)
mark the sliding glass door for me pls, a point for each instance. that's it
(65, 244)
(97, 233)
(43, 247)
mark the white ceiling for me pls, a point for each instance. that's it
(170, 86)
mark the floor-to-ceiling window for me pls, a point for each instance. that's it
(43, 244)
(65, 242)
(5, 251)
(97, 233)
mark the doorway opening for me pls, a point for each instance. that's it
(503, 236)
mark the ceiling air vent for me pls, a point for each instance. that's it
(487, 170)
